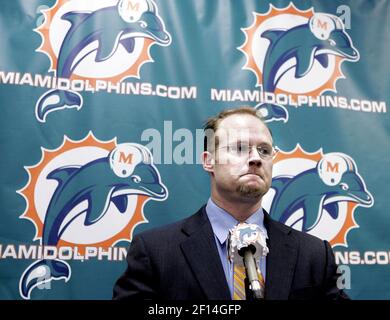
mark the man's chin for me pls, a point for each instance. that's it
(250, 191)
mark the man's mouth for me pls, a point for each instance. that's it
(251, 174)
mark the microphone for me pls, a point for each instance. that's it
(247, 243)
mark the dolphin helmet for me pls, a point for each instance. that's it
(332, 166)
(126, 156)
(132, 12)
(322, 24)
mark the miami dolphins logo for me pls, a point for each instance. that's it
(317, 193)
(90, 40)
(295, 52)
(86, 193)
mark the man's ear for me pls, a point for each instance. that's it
(208, 161)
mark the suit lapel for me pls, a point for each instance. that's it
(281, 259)
(203, 258)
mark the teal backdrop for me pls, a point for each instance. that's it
(102, 106)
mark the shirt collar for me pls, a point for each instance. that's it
(221, 221)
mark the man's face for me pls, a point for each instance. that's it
(239, 173)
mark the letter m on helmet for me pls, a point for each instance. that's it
(330, 167)
(123, 158)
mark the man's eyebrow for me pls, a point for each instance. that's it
(265, 144)
(259, 144)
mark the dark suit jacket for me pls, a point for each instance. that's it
(181, 262)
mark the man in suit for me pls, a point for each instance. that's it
(189, 259)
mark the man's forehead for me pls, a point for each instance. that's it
(239, 120)
(242, 127)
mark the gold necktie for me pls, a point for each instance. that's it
(239, 282)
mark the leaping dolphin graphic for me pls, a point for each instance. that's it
(247, 233)
(99, 182)
(305, 43)
(101, 31)
(313, 192)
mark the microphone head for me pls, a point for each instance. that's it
(246, 236)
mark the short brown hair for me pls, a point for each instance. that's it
(212, 123)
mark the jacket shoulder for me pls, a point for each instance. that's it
(176, 229)
(302, 237)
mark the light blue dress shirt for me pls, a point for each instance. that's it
(221, 222)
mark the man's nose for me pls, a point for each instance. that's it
(254, 157)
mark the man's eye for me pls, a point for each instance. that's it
(266, 151)
(242, 148)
